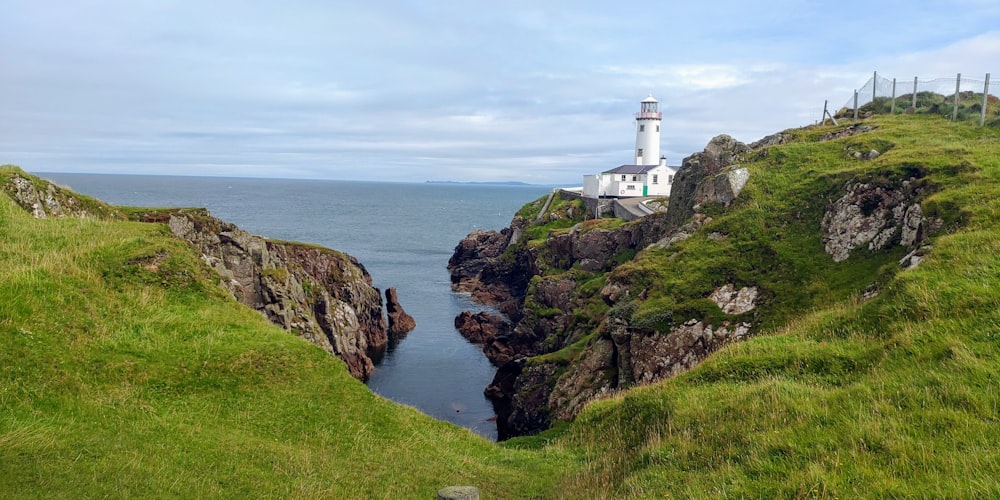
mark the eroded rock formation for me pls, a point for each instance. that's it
(400, 323)
(319, 294)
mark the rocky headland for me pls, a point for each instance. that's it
(319, 294)
(575, 324)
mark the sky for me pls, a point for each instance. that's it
(540, 91)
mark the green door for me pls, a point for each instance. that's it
(645, 190)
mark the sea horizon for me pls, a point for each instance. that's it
(498, 183)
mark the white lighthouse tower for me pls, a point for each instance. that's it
(647, 132)
(649, 175)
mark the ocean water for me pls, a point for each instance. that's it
(402, 233)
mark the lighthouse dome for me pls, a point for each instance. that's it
(650, 99)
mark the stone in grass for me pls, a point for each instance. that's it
(458, 493)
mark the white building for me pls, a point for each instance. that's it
(649, 175)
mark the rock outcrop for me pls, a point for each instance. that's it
(482, 267)
(44, 199)
(320, 294)
(601, 249)
(400, 323)
(876, 215)
(490, 331)
(713, 175)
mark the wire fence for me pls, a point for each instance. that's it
(958, 98)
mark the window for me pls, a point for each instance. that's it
(639, 153)
(642, 128)
(657, 128)
(623, 176)
(655, 178)
(670, 179)
(630, 187)
(635, 178)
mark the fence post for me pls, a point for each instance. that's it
(958, 84)
(874, 86)
(855, 105)
(914, 94)
(892, 107)
(986, 95)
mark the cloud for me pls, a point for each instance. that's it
(518, 90)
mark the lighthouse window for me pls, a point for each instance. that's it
(639, 152)
(657, 128)
(655, 178)
(642, 128)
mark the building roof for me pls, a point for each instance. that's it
(632, 169)
(650, 99)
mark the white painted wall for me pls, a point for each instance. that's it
(664, 176)
(599, 185)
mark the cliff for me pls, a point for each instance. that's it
(319, 294)
(602, 306)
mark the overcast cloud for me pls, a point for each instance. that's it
(536, 91)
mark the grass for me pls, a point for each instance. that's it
(561, 215)
(126, 372)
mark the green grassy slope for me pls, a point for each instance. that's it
(125, 372)
(837, 397)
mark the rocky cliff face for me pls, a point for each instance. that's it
(529, 390)
(320, 294)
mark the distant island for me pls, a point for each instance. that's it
(487, 183)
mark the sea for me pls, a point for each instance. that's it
(403, 233)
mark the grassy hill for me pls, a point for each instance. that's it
(838, 394)
(125, 372)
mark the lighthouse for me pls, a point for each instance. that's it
(647, 132)
(649, 175)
